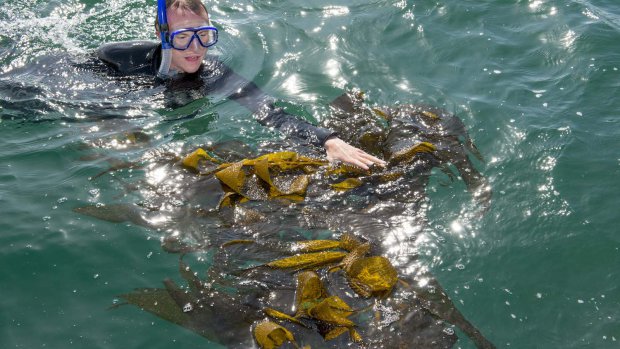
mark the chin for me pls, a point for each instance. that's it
(186, 67)
(190, 70)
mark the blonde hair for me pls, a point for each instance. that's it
(195, 6)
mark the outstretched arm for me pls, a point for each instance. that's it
(249, 95)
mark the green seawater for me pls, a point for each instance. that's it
(536, 82)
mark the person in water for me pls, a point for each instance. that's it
(187, 34)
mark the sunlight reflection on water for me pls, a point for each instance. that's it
(529, 79)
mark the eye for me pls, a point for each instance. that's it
(204, 34)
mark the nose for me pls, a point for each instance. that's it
(194, 45)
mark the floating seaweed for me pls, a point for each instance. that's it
(270, 335)
(275, 217)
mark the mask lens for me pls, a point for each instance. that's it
(181, 40)
(207, 37)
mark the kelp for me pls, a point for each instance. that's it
(259, 189)
(409, 132)
(314, 303)
(347, 184)
(194, 307)
(315, 245)
(367, 276)
(216, 315)
(282, 175)
(270, 335)
(406, 154)
(307, 260)
(309, 291)
(332, 310)
(198, 160)
(286, 175)
(404, 135)
(281, 316)
(371, 276)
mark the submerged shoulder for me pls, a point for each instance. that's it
(213, 64)
(130, 57)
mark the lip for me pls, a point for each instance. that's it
(192, 58)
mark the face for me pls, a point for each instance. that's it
(187, 61)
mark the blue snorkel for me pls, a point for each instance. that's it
(164, 33)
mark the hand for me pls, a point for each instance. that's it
(339, 150)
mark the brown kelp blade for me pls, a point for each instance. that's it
(117, 213)
(348, 101)
(405, 155)
(349, 242)
(285, 160)
(349, 183)
(233, 176)
(117, 165)
(200, 162)
(454, 126)
(307, 260)
(372, 276)
(237, 242)
(435, 299)
(158, 302)
(171, 304)
(332, 310)
(335, 332)
(274, 175)
(194, 282)
(302, 261)
(315, 245)
(281, 316)
(309, 292)
(270, 335)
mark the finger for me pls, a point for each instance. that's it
(373, 160)
(349, 159)
(357, 162)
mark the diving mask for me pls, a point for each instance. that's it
(181, 39)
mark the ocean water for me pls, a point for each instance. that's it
(535, 82)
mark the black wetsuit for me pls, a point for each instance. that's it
(143, 58)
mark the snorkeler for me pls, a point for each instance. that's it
(185, 31)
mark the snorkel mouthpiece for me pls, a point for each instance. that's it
(164, 33)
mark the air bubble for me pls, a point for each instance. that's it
(449, 331)
(187, 308)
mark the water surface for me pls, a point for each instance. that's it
(535, 82)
